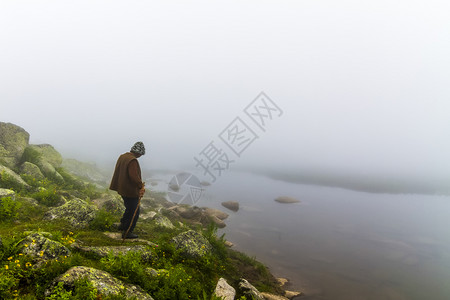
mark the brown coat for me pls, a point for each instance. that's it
(127, 179)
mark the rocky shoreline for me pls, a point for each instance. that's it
(67, 242)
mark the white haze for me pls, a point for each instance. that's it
(364, 85)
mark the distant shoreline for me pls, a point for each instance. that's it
(360, 183)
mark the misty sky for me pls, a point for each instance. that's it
(363, 85)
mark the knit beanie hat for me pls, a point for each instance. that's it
(138, 148)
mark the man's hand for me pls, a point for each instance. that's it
(142, 191)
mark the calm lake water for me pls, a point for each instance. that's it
(337, 243)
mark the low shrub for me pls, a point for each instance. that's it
(8, 209)
(103, 220)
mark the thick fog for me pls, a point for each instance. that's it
(361, 86)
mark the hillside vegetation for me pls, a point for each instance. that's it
(59, 239)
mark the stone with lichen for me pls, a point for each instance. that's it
(164, 222)
(103, 282)
(103, 251)
(39, 245)
(4, 193)
(192, 244)
(77, 212)
(31, 170)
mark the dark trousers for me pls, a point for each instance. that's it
(130, 208)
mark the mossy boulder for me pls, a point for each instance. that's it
(11, 180)
(164, 222)
(49, 171)
(48, 153)
(40, 246)
(105, 283)
(13, 141)
(7, 193)
(32, 170)
(110, 202)
(77, 212)
(103, 251)
(192, 244)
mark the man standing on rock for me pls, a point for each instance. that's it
(127, 181)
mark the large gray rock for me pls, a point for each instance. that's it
(192, 244)
(13, 141)
(249, 290)
(79, 213)
(224, 290)
(32, 170)
(11, 178)
(39, 245)
(104, 282)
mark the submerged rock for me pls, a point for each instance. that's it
(212, 212)
(78, 212)
(286, 199)
(192, 244)
(268, 296)
(104, 282)
(231, 205)
(197, 215)
(292, 294)
(282, 281)
(224, 290)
